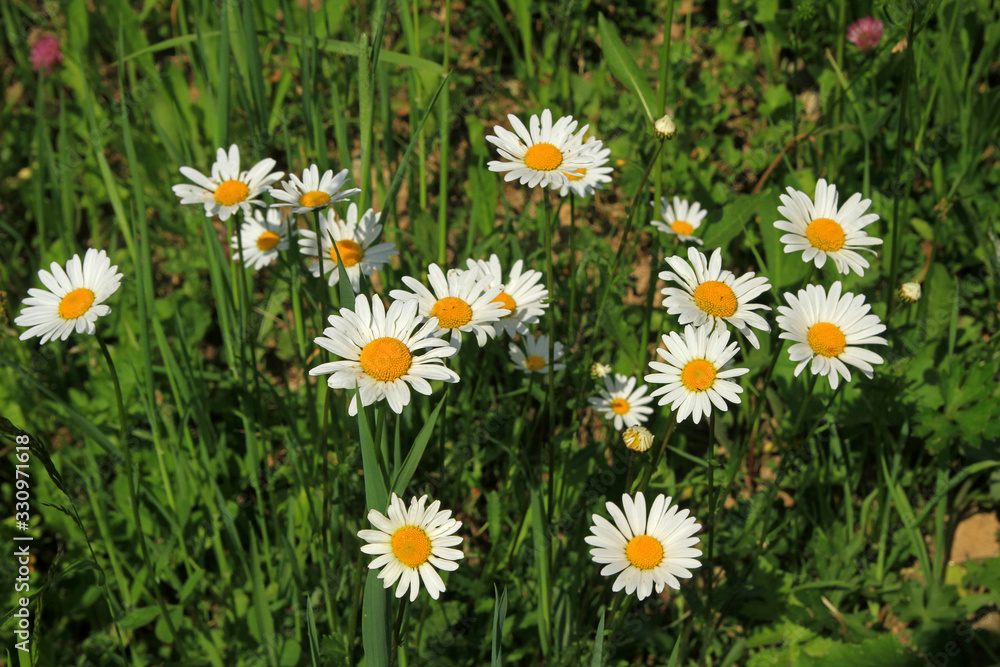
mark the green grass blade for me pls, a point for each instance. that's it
(375, 622)
(499, 615)
(598, 657)
(542, 546)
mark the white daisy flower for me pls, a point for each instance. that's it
(534, 358)
(542, 156)
(228, 189)
(264, 235)
(680, 219)
(585, 180)
(412, 545)
(622, 402)
(522, 294)
(821, 230)
(695, 376)
(380, 353)
(74, 299)
(354, 241)
(713, 296)
(827, 329)
(312, 192)
(650, 551)
(462, 302)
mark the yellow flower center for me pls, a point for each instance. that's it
(314, 198)
(534, 363)
(76, 303)
(825, 234)
(644, 552)
(698, 374)
(826, 339)
(411, 546)
(715, 298)
(350, 251)
(507, 302)
(619, 406)
(268, 241)
(682, 228)
(543, 157)
(386, 359)
(576, 175)
(451, 312)
(231, 193)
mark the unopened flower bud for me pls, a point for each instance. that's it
(665, 128)
(599, 370)
(638, 438)
(910, 292)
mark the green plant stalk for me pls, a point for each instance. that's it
(709, 569)
(605, 292)
(754, 423)
(550, 375)
(654, 464)
(136, 516)
(805, 404)
(572, 263)
(397, 629)
(897, 223)
(245, 314)
(445, 123)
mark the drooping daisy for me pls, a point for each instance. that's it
(522, 294)
(680, 219)
(638, 438)
(534, 358)
(353, 240)
(381, 354)
(585, 180)
(412, 545)
(622, 402)
(542, 155)
(827, 329)
(650, 551)
(713, 296)
(695, 376)
(264, 235)
(228, 189)
(74, 299)
(312, 192)
(821, 230)
(462, 302)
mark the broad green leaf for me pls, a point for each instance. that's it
(416, 452)
(625, 69)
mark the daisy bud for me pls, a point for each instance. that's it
(599, 370)
(638, 438)
(665, 128)
(910, 292)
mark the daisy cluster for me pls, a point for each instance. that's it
(385, 351)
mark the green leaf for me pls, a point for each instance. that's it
(375, 622)
(542, 546)
(416, 452)
(625, 69)
(499, 614)
(376, 493)
(598, 658)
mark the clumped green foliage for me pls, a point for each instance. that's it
(833, 513)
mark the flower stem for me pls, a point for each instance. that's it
(659, 454)
(550, 375)
(127, 450)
